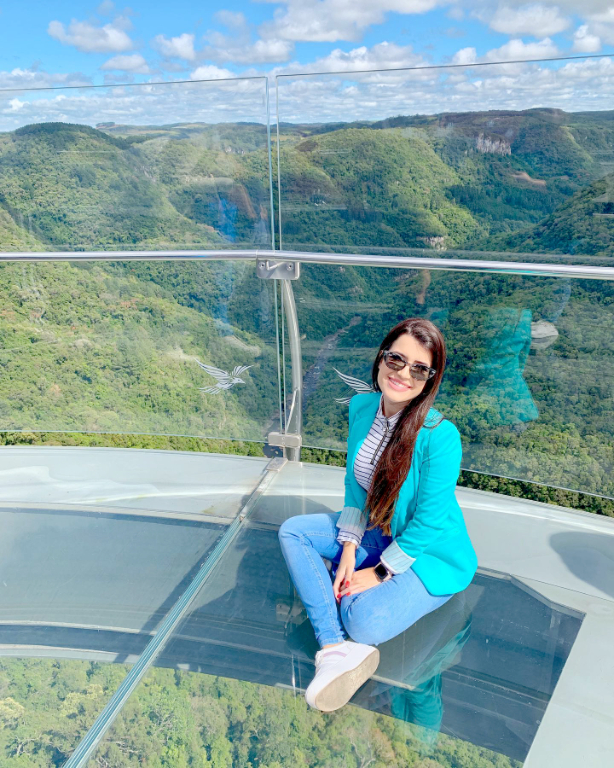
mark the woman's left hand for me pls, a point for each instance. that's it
(361, 581)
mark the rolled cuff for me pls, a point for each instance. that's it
(347, 536)
(395, 559)
(353, 521)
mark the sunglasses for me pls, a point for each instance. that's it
(417, 371)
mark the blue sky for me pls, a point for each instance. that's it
(70, 43)
(113, 41)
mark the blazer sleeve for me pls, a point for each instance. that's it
(353, 521)
(438, 475)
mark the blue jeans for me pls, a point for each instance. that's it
(373, 616)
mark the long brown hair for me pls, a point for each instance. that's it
(393, 465)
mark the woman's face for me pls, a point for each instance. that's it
(398, 387)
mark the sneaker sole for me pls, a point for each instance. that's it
(340, 690)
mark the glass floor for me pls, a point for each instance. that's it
(101, 545)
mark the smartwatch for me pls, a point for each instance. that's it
(381, 571)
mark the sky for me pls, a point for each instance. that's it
(76, 44)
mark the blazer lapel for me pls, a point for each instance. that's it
(360, 430)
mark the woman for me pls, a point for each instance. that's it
(400, 542)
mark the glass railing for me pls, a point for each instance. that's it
(137, 167)
(145, 346)
(530, 371)
(444, 159)
(400, 162)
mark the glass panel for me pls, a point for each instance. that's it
(136, 167)
(99, 544)
(80, 588)
(530, 375)
(185, 347)
(474, 677)
(402, 161)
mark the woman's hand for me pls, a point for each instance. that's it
(361, 581)
(345, 569)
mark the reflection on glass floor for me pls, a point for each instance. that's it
(491, 675)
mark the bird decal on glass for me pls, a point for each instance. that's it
(357, 384)
(225, 380)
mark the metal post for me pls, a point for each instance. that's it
(294, 421)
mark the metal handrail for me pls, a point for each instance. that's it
(347, 259)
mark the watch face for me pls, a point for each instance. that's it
(381, 571)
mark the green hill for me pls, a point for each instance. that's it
(445, 181)
(441, 181)
(360, 187)
(584, 225)
(74, 187)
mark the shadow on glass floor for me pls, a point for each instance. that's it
(481, 668)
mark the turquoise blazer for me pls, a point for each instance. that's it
(428, 529)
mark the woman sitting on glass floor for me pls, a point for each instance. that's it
(400, 544)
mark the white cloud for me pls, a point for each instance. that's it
(89, 38)
(262, 52)
(15, 105)
(605, 14)
(535, 19)
(517, 50)
(180, 47)
(584, 42)
(239, 48)
(134, 63)
(573, 86)
(211, 72)
(600, 24)
(383, 55)
(465, 56)
(30, 79)
(230, 19)
(331, 20)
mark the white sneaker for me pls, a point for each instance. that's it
(340, 671)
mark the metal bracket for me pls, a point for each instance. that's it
(285, 440)
(267, 269)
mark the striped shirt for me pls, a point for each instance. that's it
(367, 458)
(371, 450)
